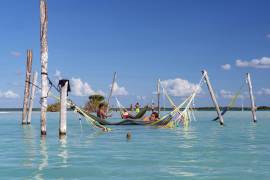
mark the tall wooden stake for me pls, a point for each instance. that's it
(158, 96)
(204, 72)
(63, 111)
(44, 63)
(32, 96)
(27, 85)
(253, 107)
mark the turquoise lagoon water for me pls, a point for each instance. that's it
(239, 150)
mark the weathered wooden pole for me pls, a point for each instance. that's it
(253, 107)
(212, 94)
(63, 110)
(158, 96)
(27, 85)
(32, 96)
(44, 63)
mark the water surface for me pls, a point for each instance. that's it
(205, 150)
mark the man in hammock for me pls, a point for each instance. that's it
(102, 111)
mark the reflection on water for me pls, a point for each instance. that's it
(178, 171)
(63, 151)
(252, 131)
(43, 159)
(29, 141)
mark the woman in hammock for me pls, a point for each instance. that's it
(153, 117)
(125, 114)
(102, 111)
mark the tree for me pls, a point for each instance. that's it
(54, 107)
(93, 102)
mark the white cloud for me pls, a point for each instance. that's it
(57, 75)
(80, 88)
(226, 94)
(15, 54)
(139, 98)
(226, 66)
(118, 90)
(8, 94)
(229, 94)
(180, 87)
(264, 91)
(264, 62)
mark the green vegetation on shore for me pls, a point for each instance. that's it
(260, 108)
(93, 102)
(54, 107)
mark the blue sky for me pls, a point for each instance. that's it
(142, 41)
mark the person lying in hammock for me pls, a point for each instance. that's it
(137, 107)
(125, 114)
(153, 117)
(102, 111)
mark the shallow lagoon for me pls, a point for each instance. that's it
(205, 150)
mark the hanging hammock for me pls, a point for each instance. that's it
(232, 102)
(122, 109)
(182, 117)
(170, 120)
(124, 122)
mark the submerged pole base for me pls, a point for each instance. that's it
(62, 133)
(255, 121)
(24, 123)
(43, 133)
(28, 123)
(221, 123)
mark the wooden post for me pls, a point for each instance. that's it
(204, 72)
(32, 96)
(27, 85)
(44, 63)
(253, 107)
(63, 110)
(158, 96)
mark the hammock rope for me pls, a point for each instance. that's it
(83, 113)
(92, 122)
(232, 102)
(184, 116)
(111, 91)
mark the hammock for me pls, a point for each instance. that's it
(232, 102)
(139, 115)
(128, 121)
(170, 120)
